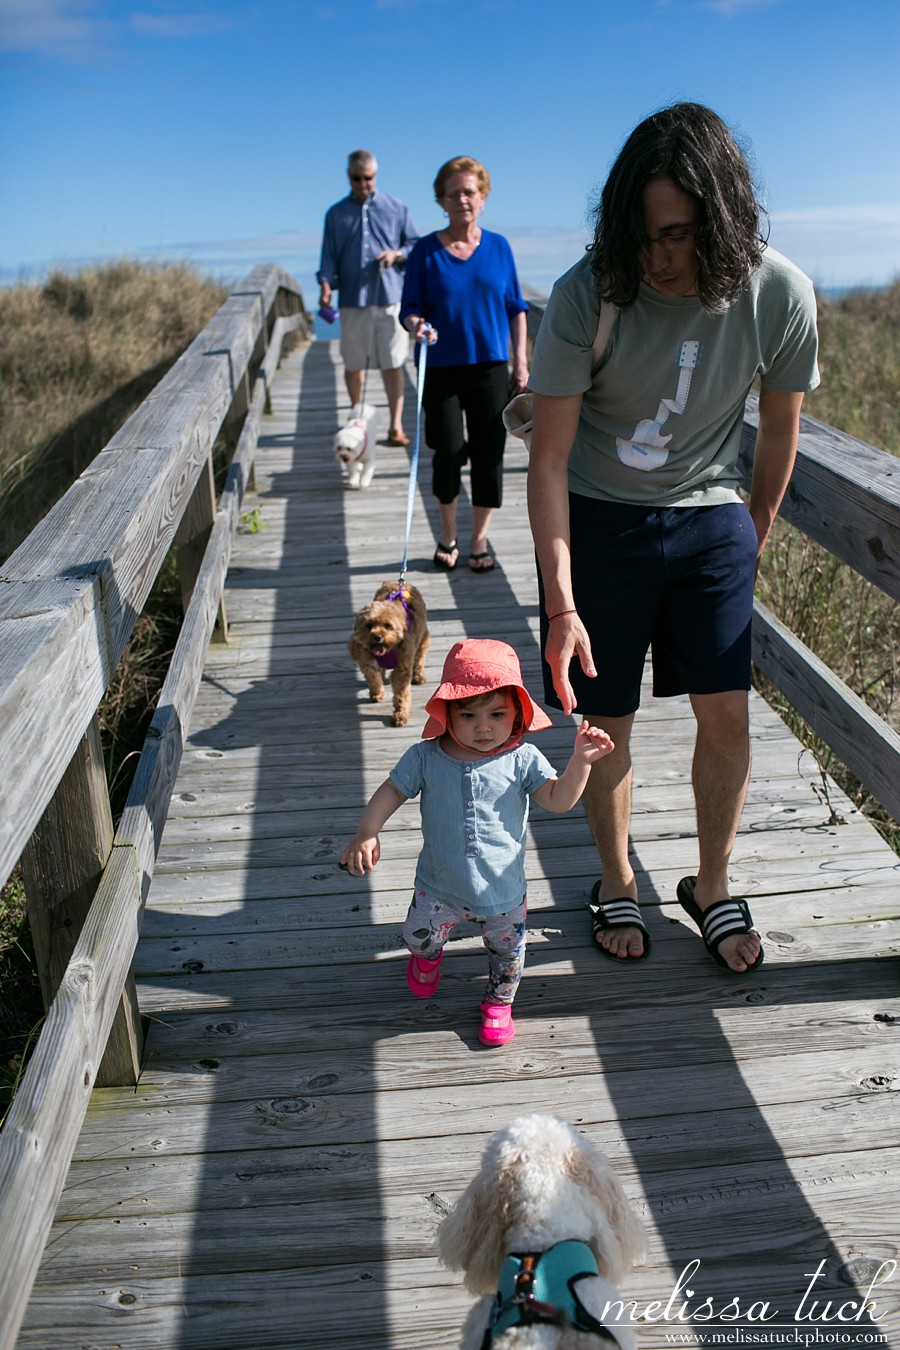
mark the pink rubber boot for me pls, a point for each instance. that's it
(497, 1025)
(416, 968)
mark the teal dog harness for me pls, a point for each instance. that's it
(541, 1287)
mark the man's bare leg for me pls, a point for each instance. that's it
(607, 805)
(720, 774)
(393, 388)
(354, 382)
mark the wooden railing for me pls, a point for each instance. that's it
(69, 599)
(845, 495)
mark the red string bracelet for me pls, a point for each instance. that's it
(561, 614)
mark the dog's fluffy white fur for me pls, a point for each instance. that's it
(541, 1182)
(384, 626)
(354, 446)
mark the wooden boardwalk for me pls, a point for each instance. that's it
(302, 1123)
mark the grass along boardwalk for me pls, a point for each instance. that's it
(302, 1123)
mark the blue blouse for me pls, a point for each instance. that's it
(469, 301)
(474, 815)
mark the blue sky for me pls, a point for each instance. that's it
(218, 132)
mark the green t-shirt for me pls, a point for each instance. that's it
(661, 423)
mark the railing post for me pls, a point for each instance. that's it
(191, 539)
(61, 868)
(234, 422)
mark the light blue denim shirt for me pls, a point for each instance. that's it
(354, 234)
(474, 814)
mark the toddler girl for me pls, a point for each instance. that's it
(475, 776)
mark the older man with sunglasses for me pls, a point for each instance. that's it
(365, 243)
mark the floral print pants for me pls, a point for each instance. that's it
(430, 922)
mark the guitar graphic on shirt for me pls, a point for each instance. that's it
(648, 448)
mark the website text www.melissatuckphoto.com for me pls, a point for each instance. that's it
(786, 1334)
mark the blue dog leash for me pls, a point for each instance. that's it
(414, 459)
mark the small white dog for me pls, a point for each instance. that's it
(354, 446)
(544, 1232)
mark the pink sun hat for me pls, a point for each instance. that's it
(477, 666)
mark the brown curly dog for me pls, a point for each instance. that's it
(390, 637)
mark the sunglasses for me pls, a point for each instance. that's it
(362, 178)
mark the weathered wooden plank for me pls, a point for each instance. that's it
(342, 1059)
(801, 858)
(343, 946)
(324, 1175)
(761, 1106)
(287, 1234)
(672, 816)
(225, 904)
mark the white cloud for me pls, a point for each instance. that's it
(76, 30)
(61, 28)
(729, 8)
(841, 246)
(178, 25)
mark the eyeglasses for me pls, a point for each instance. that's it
(464, 194)
(362, 178)
(669, 243)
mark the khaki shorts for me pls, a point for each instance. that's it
(372, 337)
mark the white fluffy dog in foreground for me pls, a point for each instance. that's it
(544, 1233)
(354, 446)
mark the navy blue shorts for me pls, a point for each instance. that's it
(677, 581)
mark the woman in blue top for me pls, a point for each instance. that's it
(462, 281)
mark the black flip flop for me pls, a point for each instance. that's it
(446, 548)
(726, 918)
(622, 913)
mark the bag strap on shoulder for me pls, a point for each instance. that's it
(604, 331)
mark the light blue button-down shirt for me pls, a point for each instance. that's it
(474, 816)
(354, 234)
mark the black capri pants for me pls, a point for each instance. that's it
(480, 392)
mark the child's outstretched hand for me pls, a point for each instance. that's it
(361, 855)
(591, 744)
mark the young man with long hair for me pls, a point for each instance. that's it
(642, 537)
